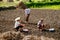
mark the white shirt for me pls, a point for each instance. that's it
(16, 24)
(39, 22)
(27, 11)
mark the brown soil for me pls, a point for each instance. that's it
(51, 17)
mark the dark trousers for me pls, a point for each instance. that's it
(27, 17)
(17, 28)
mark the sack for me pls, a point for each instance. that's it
(25, 30)
(51, 29)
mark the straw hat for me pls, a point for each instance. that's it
(18, 18)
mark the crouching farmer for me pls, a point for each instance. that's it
(40, 25)
(18, 24)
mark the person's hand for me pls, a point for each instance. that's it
(23, 24)
(37, 26)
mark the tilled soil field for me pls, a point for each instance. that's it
(51, 17)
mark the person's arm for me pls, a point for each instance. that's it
(22, 25)
(21, 21)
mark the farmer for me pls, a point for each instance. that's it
(18, 24)
(26, 10)
(40, 24)
(27, 14)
